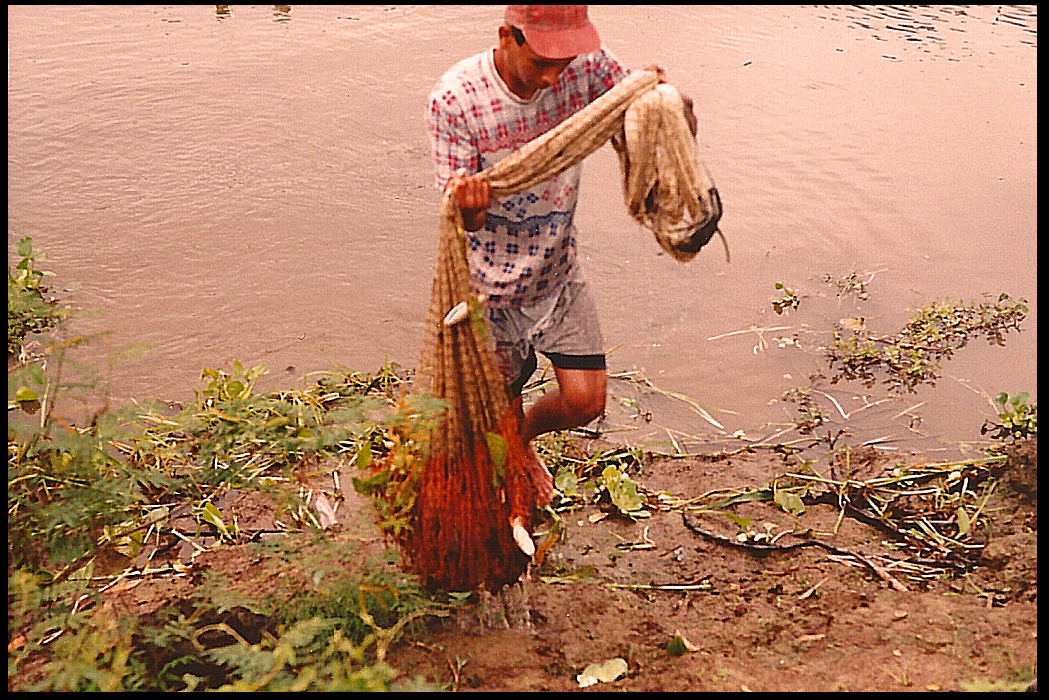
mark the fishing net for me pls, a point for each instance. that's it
(474, 480)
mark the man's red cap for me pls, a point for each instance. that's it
(555, 31)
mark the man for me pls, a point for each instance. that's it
(547, 65)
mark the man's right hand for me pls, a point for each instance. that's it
(474, 196)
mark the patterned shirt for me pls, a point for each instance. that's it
(527, 247)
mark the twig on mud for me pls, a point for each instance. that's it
(676, 446)
(812, 590)
(644, 543)
(705, 585)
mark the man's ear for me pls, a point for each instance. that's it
(505, 34)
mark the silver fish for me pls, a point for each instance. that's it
(458, 314)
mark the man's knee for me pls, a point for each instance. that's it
(593, 408)
(583, 392)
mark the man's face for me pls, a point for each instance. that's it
(526, 71)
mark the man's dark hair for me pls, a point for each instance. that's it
(518, 35)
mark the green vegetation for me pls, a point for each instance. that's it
(28, 308)
(95, 506)
(910, 357)
(85, 502)
(333, 635)
(1016, 421)
(81, 496)
(601, 477)
(913, 355)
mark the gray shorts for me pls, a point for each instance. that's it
(564, 327)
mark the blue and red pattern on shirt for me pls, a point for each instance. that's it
(527, 247)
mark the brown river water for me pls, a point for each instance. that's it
(255, 184)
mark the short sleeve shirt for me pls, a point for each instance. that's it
(527, 248)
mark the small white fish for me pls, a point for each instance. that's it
(458, 313)
(522, 538)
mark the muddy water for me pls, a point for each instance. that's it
(256, 184)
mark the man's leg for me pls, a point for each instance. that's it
(579, 399)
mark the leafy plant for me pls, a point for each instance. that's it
(622, 491)
(28, 310)
(582, 477)
(1016, 421)
(934, 333)
(390, 458)
(66, 487)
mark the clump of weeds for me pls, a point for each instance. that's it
(82, 498)
(29, 306)
(913, 355)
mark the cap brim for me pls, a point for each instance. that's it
(563, 43)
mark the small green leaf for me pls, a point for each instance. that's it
(371, 485)
(567, 483)
(211, 514)
(497, 448)
(789, 502)
(964, 522)
(623, 491)
(742, 521)
(25, 395)
(364, 456)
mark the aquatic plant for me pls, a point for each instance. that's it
(913, 355)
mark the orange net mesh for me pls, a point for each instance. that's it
(474, 480)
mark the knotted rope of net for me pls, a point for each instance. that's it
(474, 480)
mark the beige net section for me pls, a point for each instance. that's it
(474, 480)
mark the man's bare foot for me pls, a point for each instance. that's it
(540, 476)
